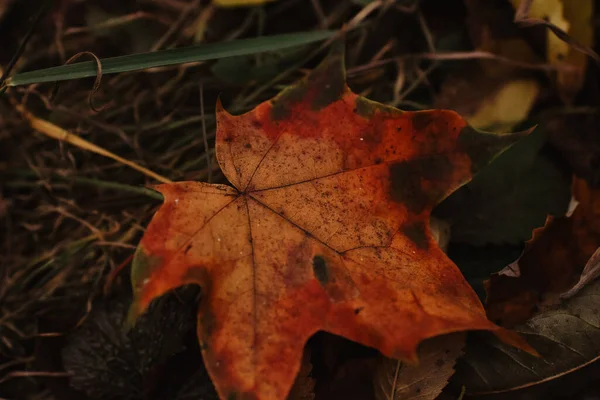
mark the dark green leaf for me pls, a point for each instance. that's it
(511, 197)
(477, 263)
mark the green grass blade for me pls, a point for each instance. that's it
(162, 58)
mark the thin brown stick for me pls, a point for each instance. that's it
(116, 21)
(457, 56)
(27, 374)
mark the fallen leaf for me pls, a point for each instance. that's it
(491, 29)
(477, 263)
(487, 103)
(590, 272)
(488, 94)
(506, 107)
(567, 337)
(107, 363)
(571, 33)
(575, 136)
(551, 263)
(506, 201)
(326, 227)
(397, 380)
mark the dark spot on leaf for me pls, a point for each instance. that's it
(187, 248)
(320, 270)
(248, 146)
(358, 310)
(415, 231)
(406, 178)
(421, 120)
(283, 103)
(256, 124)
(418, 390)
(378, 160)
(228, 140)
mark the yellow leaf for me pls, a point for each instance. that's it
(576, 19)
(507, 107)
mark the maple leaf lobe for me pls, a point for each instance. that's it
(327, 228)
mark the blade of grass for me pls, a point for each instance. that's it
(163, 58)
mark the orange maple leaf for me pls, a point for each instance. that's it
(325, 227)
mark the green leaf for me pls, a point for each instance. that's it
(511, 197)
(162, 58)
(567, 338)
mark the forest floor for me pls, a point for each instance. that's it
(71, 219)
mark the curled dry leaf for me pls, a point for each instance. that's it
(567, 337)
(397, 380)
(325, 227)
(552, 262)
(589, 273)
